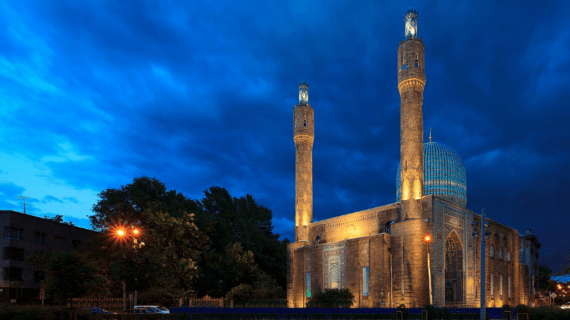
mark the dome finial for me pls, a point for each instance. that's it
(429, 134)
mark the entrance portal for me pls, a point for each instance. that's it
(453, 270)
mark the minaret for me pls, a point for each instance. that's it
(411, 82)
(303, 135)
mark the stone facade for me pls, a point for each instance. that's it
(528, 257)
(379, 254)
(395, 254)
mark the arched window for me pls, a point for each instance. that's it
(404, 66)
(500, 254)
(305, 122)
(491, 252)
(335, 277)
(417, 61)
(387, 226)
(508, 256)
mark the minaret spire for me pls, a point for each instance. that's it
(411, 82)
(429, 134)
(303, 136)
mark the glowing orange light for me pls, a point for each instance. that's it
(121, 232)
(559, 287)
(427, 238)
(136, 231)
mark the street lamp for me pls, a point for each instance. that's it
(427, 239)
(122, 233)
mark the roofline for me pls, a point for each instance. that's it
(532, 238)
(44, 219)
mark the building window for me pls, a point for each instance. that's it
(417, 61)
(39, 275)
(13, 254)
(76, 243)
(387, 226)
(509, 286)
(404, 66)
(308, 285)
(491, 252)
(60, 242)
(500, 254)
(13, 274)
(365, 278)
(501, 286)
(13, 233)
(492, 291)
(41, 237)
(509, 256)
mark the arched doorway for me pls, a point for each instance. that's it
(453, 270)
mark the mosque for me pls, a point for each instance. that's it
(381, 254)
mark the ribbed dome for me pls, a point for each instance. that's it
(444, 174)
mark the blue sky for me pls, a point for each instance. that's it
(201, 94)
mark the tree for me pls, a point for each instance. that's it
(70, 274)
(332, 298)
(565, 269)
(227, 220)
(545, 281)
(172, 241)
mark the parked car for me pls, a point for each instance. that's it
(151, 309)
(98, 311)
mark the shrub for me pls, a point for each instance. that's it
(522, 308)
(11, 312)
(549, 313)
(332, 298)
(430, 311)
(506, 308)
(404, 310)
(444, 314)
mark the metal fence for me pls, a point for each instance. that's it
(112, 304)
(278, 316)
(265, 303)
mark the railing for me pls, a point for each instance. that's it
(155, 316)
(111, 304)
(264, 303)
(330, 314)
(208, 302)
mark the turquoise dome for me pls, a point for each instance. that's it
(444, 174)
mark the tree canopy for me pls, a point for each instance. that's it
(70, 274)
(165, 222)
(229, 220)
(192, 247)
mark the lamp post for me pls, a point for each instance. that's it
(482, 264)
(427, 240)
(136, 245)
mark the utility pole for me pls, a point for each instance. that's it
(482, 266)
(24, 197)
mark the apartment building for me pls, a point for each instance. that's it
(23, 235)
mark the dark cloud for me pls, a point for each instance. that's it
(71, 199)
(199, 95)
(49, 198)
(9, 192)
